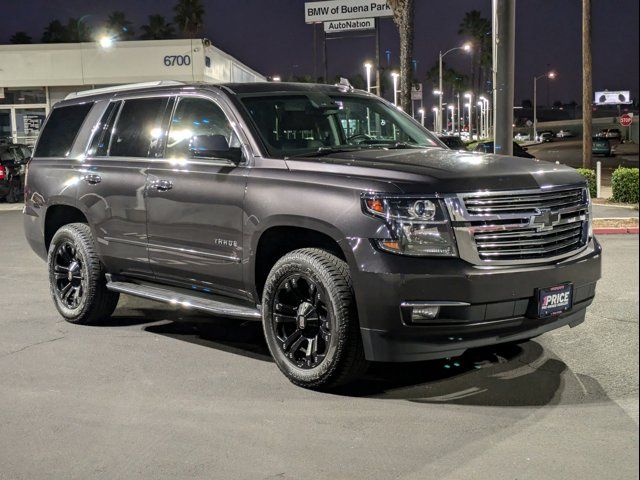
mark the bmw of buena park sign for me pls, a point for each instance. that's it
(317, 12)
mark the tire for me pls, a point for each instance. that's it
(76, 277)
(337, 354)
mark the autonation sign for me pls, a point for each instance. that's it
(316, 12)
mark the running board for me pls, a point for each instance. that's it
(160, 294)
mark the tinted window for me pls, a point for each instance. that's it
(138, 128)
(197, 117)
(61, 129)
(100, 142)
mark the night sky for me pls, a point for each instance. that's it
(271, 37)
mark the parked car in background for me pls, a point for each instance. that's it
(565, 134)
(13, 160)
(614, 134)
(602, 146)
(453, 142)
(546, 136)
(518, 151)
(522, 137)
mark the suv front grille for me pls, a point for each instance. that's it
(529, 203)
(530, 226)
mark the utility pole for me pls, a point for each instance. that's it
(504, 35)
(587, 86)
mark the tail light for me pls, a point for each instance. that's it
(3, 172)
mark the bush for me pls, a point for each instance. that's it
(626, 185)
(590, 176)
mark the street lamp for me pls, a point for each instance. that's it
(106, 41)
(550, 75)
(395, 76)
(483, 122)
(453, 116)
(469, 96)
(435, 118)
(421, 112)
(487, 117)
(467, 48)
(368, 67)
(275, 78)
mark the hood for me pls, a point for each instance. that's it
(437, 170)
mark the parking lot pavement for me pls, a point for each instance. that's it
(569, 152)
(156, 393)
(614, 211)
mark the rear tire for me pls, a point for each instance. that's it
(76, 277)
(323, 349)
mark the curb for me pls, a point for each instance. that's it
(615, 231)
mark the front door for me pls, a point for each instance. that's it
(195, 201)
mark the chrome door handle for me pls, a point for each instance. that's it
(92, 179)
(162, 185)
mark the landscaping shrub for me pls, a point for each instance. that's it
(590, 175)
(626, 185)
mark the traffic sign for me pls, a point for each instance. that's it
(626, 120)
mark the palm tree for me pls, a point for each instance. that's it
(189, 17)
(157, 29)
(55, 32)
(404, 18)
(20, 38)
(478, 30)
(587, 86)
(118, 24)
(77, 31)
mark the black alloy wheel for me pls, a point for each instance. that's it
(70, 279)
(302, 321)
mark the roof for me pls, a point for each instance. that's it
(280, 87)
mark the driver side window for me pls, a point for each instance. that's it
(200, 129)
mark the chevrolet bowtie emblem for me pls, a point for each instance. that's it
(545, 220)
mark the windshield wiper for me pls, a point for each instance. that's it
(323, 151)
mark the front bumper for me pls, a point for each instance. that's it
(502, 304)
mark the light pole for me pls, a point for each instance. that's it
(487, 117)
(467, 48)
(483, 127)
(435, 118)
(421, 112)
(438, 93)
(550, 75)
(469, 96)
(367, 67)
(395, 76)
(453, 116)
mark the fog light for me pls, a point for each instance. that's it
(420, 314)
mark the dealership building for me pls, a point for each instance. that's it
(35, 77)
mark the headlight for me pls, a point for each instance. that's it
(419, 226)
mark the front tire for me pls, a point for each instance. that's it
(310, 320)
(76, 277)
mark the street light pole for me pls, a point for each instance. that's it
(467, 48)
(550, 75)
(469, 95)
(435, 118)
(421, 112)
(367, 66)
(453, 117)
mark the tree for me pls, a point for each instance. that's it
(452, 81)
(404, 18)
(189, 17)
(55, 32)
(157, 29)
(20, 38)
(587, 86)
(478, 30)
(118, 25)
(77, 31)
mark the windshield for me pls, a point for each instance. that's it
(299, 125)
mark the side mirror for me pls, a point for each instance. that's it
(213, 146)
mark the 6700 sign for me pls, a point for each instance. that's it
(177, 60)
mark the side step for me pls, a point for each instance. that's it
(220, 306)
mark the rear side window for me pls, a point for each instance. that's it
(102, 136)
(138, 128)
(61, 129)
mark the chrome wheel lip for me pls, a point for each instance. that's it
(301, 321)
(68, 276)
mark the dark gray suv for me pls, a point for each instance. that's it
(327, 214)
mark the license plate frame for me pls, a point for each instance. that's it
(554, 307)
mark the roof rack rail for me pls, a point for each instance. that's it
(119, 88)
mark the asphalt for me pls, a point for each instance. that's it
(156, 393)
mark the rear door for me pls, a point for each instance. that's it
(195, 200)
(113, 179)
